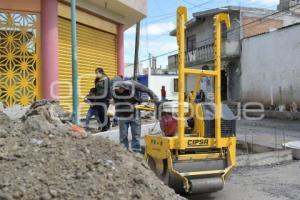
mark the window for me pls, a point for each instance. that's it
(175, 85)
(191, 43)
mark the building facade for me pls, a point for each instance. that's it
(245, 22)
(35, 46)
(156, 81)
(271, 70)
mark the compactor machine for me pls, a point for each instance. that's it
(201, 153)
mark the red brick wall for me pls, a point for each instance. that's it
(259, 26)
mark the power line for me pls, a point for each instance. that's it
(279, 15)
(158, 6)
(170, 15)
(238, 28)
(265, 17)
(187, 2)
(257, 20)
(147, 37)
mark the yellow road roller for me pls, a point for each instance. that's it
(201, 153)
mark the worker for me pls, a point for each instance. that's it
(191, 94)
(163, 93)
(115, 121)
(91, 101)
(103, 95)
(200, 96)
(126, 95)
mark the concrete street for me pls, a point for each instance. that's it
(268, 132)
(276, 182)
(279, 182)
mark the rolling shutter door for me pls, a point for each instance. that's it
(96, 48)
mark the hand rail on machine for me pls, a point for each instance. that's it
(182, 71)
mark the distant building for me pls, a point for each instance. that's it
(291, 5)
(245, 22)
(156, 81)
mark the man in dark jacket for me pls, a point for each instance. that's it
(126, 95)
(102, 88)
(90, 99)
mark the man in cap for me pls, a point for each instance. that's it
(126, 95)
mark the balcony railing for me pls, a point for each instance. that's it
(205, 54)
(202, 53)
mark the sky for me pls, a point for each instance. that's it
(161, 19)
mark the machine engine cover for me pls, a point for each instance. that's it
(168, 124)
(228, 121)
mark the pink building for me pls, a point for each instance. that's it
(35, 46)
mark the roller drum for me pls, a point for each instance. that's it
(206, 185)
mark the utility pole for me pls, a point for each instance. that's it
(136, 51)
(74, 64)
(150, 64)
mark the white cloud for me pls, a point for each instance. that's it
(158, 28)
(129, 44)
(265, 2)
(157, 48)
(153, 29)
(157, 42)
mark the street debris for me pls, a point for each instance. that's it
(42, 157)
(14, 112)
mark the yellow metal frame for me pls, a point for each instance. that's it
(168, 148)
(145, 107)
(216, 73)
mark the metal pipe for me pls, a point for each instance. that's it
(181, 20)
(136, 52)
(200, 72)
(218, 19)
(74, 64)
(218, 109)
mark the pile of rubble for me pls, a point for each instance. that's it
(41, 157)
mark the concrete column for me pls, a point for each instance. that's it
(120, 51)
(49, 35)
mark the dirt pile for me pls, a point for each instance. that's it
(41, 158)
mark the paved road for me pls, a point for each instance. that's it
(280, 182)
